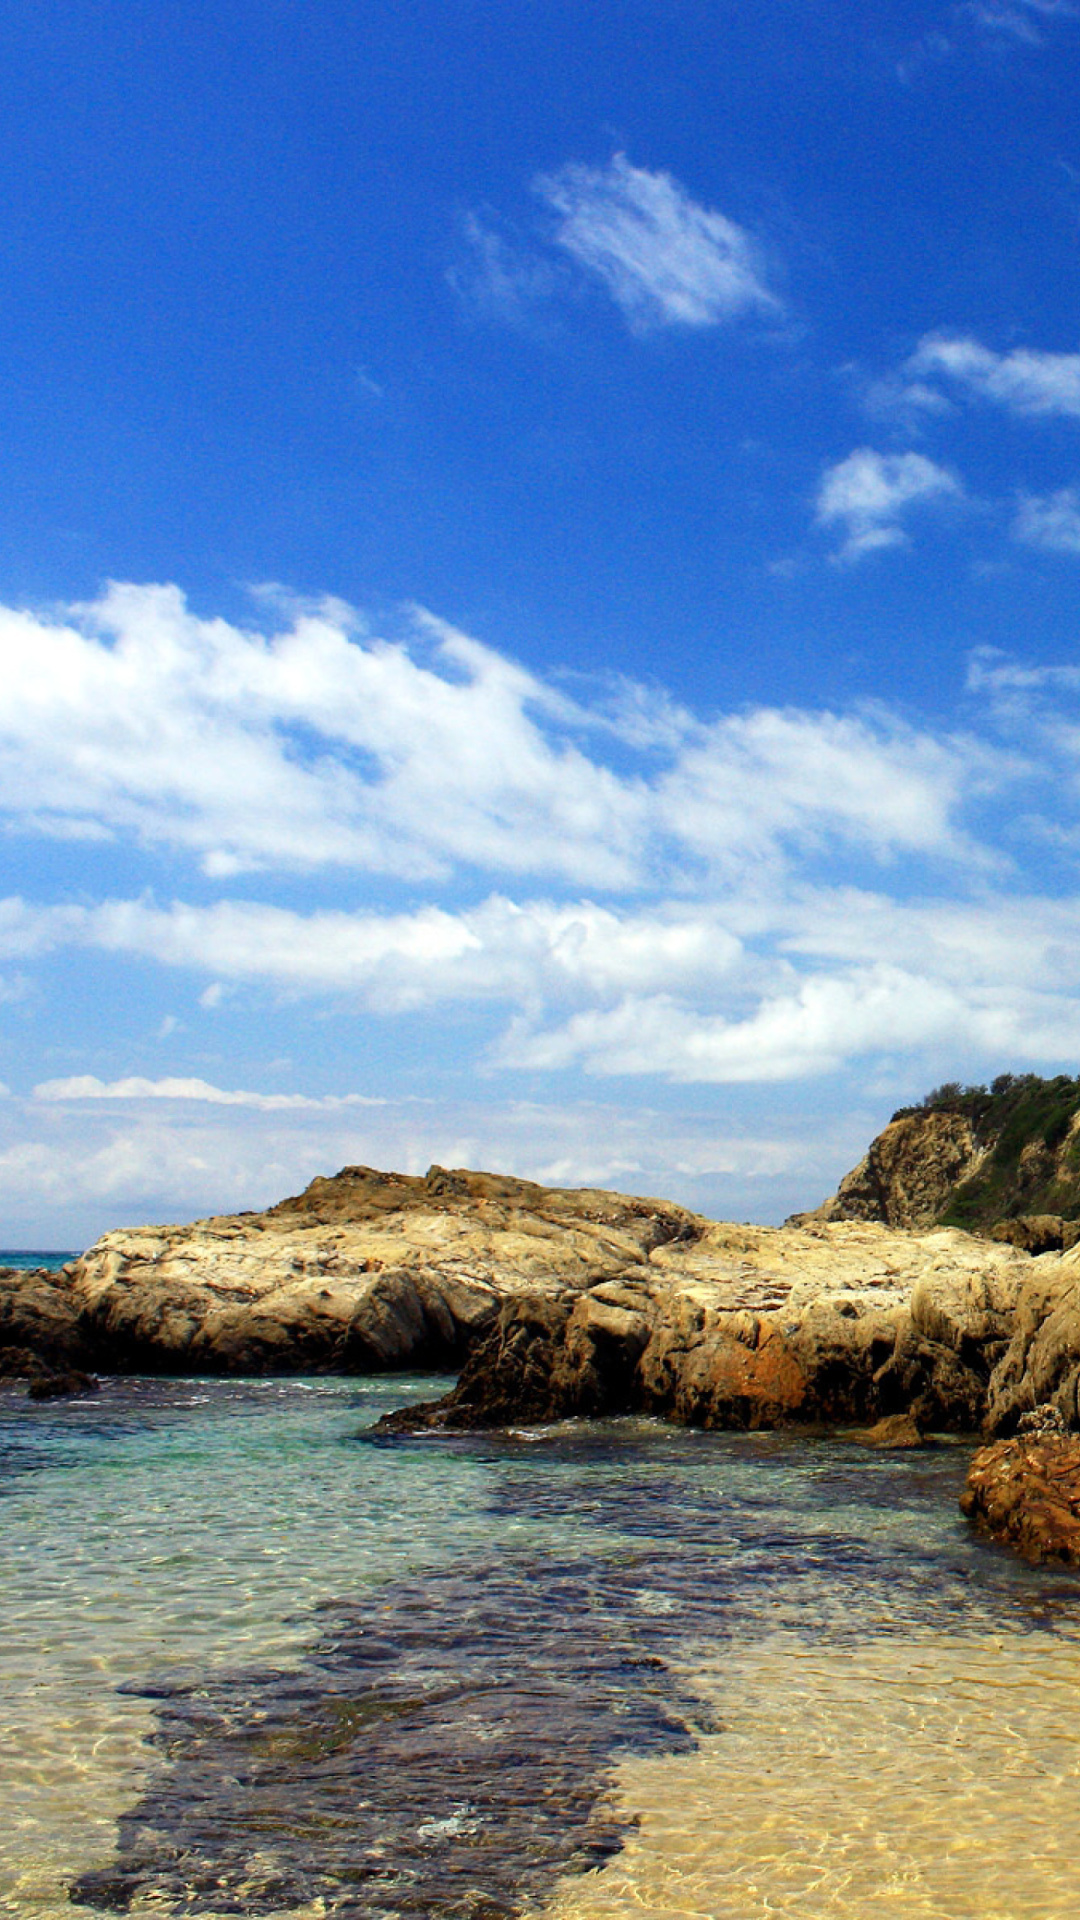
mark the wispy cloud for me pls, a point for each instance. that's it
(86, 1086)
(1025, 381)
(321, 747)
(867, 497)
(665, 259)
(1049, 520)
(500, 275)
(1018, 19)
(91, 1165)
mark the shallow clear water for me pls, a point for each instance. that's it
(255, 1662)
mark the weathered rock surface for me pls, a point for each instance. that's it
(39, 1323)
(756, 1327)
(908, 1175)
(1003, 1159)
(1025, 1492)
(361, 1272)
(561, 1302)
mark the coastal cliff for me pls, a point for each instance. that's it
(1003, 1159)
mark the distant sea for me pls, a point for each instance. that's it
(27, 1257)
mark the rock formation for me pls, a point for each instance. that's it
(1003, 1159)
(360, 1272)
(1025, 1492)
(556, 1302)
(842, 1323)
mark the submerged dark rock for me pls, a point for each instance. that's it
(63, 1386)
(444, 1756)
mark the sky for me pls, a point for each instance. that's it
(538, 581)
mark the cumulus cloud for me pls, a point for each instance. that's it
(500, 950)
(749, 898)
(664, 259)
(867, 496)
(1026, 381)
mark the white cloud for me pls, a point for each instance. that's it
(1050, 521)
(497, 951)
(784, 775)
(316, 747)
(1019, 19)
(1025, 381)
(664, 259)
(321, 747)
(87, 1087)
(72, 1170)
(797, 894)
(815, 1029)
(867, 496)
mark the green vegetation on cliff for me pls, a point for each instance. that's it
(1028, 1147)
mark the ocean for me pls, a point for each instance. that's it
(25, 1259)
(259, 1661)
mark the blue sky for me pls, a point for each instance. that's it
(538, 570)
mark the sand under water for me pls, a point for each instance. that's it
(258, 1662)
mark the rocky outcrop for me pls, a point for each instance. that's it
(40, 1324)
(361, 1272)
(909, 1173)
(1002, 1159)
(1025, 1492)
(556, 1302)
(837, 1324)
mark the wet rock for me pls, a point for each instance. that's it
(61, 1386)
(897, 1433)
(1025, 1493)
(41, 1315)
(22, 1363)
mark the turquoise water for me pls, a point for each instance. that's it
(25, 1259)
(256, 1661)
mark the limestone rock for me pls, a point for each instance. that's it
(1040, 1363)
(751, 1327)
(1025, 1492)
(908, 1175)
(561, 1302)
(361, 1272)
